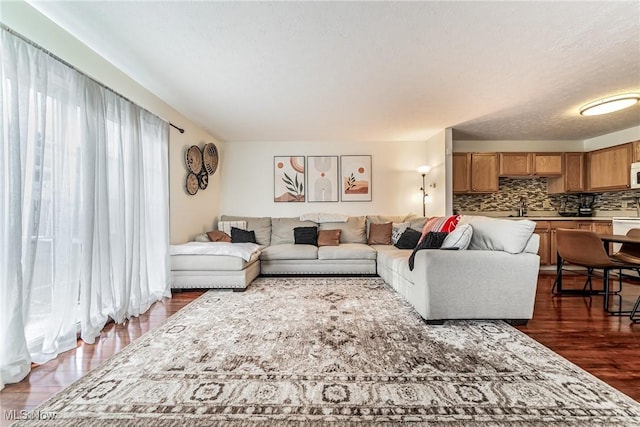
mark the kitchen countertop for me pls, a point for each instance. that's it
(553, 215)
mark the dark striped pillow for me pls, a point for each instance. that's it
(305, 236)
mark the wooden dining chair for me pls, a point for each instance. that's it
(584, 248)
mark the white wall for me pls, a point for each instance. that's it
(436, 183)
(247, 177)
(188, 215)
(615, 138)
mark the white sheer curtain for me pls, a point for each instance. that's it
(125, 210)
(84, 218)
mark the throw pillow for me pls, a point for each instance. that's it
(242, 236)
(329, 237)
(440, 224)
(458, 238)
(305, 236)
(397, 230)
(218, 236)
(380, 234)
(226, 225)
(409, 239)
(433, 240)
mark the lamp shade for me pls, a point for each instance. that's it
(424, 169)
(610, 104)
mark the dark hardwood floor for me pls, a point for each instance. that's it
(574, 327)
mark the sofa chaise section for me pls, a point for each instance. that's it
(212, 271)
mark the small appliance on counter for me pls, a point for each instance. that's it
(635, 175)
(586, 204)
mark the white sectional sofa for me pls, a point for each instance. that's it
(495, 278)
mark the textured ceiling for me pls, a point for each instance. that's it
(373, 71)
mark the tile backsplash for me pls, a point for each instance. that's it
(534, 190)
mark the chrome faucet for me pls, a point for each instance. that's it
(522, 211)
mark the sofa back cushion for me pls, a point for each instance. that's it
(261, 226)
(416, 222)
(282, 229)
(352, 231)
(496, 234)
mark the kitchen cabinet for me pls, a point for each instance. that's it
(544, 251)
(636, 151)
(530, 164)
(547, 164)
(515, 164)
(461, 172)
(608, 168)
(475, 172)
(572, 180)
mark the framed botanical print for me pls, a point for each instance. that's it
(288, 179)
(322, 179)
(355, 176)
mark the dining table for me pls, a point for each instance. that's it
(606, 240)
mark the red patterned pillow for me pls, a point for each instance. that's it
(440, 224)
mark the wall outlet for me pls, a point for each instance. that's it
(546, 204)
(624, 204)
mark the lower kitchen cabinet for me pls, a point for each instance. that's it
(542, 230)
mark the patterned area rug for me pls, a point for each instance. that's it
(341, 351)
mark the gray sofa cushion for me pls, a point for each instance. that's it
(347, 251)
(289, 251)
(353, 231)
(282, 229)
(495, 234)
(417, 222)
(261, 226)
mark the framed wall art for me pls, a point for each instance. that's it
(288, 179)
(355, 174)
(322, 179)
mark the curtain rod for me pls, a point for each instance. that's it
(174, 126)
(57, 58)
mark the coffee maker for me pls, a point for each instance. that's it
(586, 204)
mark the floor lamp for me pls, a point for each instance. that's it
(424, 170)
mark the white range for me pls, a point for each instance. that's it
(622, 224)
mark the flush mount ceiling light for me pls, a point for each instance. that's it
(610, 104)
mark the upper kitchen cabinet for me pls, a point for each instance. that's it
(608, 168)
(547, 164)
(572, 180)
(636, 151)
(515, 164)
(475, 172)
(461, 172)
(530, 164)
